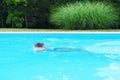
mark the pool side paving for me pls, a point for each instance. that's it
(54, 30)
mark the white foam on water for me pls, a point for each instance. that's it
(42, 78)
(111, 72)
(65, 77)
(109, 47)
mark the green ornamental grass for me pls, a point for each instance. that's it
(89, 15)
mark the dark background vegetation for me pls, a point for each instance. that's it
(35, 13)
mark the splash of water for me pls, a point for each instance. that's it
(111, 49)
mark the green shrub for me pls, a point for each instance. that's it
(87, 15)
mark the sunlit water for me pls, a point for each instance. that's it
(98, 57)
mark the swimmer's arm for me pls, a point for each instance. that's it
(46, 48)
(41, 49)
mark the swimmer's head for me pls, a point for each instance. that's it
(39, 45)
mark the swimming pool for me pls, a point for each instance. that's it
(97, 59)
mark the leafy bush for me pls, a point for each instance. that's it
(87, 15)
(15, 18)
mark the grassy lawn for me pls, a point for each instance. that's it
(54, 30)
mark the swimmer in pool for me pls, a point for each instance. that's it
(40, 47)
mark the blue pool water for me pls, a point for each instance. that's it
(98, 57)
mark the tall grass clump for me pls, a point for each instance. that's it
(89, 15)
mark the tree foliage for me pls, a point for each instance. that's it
(14, 10)
(34, 13)
(15, 18)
